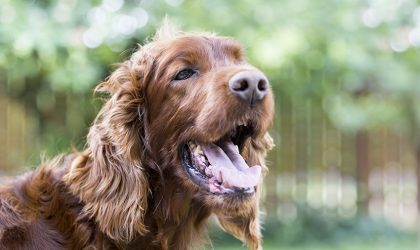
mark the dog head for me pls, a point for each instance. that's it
(190, 109)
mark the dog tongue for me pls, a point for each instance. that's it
(228, 166)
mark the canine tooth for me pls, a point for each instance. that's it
(198, 149)
(202, 158)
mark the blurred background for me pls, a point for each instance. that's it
(345, 171)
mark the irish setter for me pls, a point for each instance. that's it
(183, 135)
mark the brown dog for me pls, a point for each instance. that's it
(182, 136)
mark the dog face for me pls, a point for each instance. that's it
(189, 111)
(208, 112)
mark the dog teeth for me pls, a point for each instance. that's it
(195, 148)
(201, 160)
(198, 150)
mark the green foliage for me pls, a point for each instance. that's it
(358, 60)
(315, 227)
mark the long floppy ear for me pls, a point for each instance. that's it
(246, 225)
(111, 179)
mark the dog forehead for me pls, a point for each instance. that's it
(198, 45)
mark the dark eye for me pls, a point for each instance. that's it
(184, 74)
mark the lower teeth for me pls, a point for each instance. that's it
(197, 153)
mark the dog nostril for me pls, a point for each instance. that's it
(262, 85)
(243, 85)
(249, 86)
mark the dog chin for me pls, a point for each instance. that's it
(232, 205)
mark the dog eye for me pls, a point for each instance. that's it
(184, 74)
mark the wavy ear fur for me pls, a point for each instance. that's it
(110, 178)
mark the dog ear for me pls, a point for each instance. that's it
(111, 179)
(123, 80)
(246, 225)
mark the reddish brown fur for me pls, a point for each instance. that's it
(128, 190)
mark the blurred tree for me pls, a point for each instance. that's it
(355, 60)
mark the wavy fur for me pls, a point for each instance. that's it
(128, 189)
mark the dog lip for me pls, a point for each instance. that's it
(187, 164)
(202, 180)
(242, 129)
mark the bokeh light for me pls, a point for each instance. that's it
(345, 75)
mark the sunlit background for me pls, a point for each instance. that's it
(344, 173)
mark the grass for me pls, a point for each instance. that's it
(314, 230)
(395, 245)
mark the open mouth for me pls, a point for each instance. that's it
(218, 167)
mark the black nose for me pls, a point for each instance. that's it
(250, 86)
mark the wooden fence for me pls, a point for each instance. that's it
(313, 163)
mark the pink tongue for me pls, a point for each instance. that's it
(228, 166)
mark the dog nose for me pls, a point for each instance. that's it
(250, 86)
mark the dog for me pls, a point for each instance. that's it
(182, 135)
